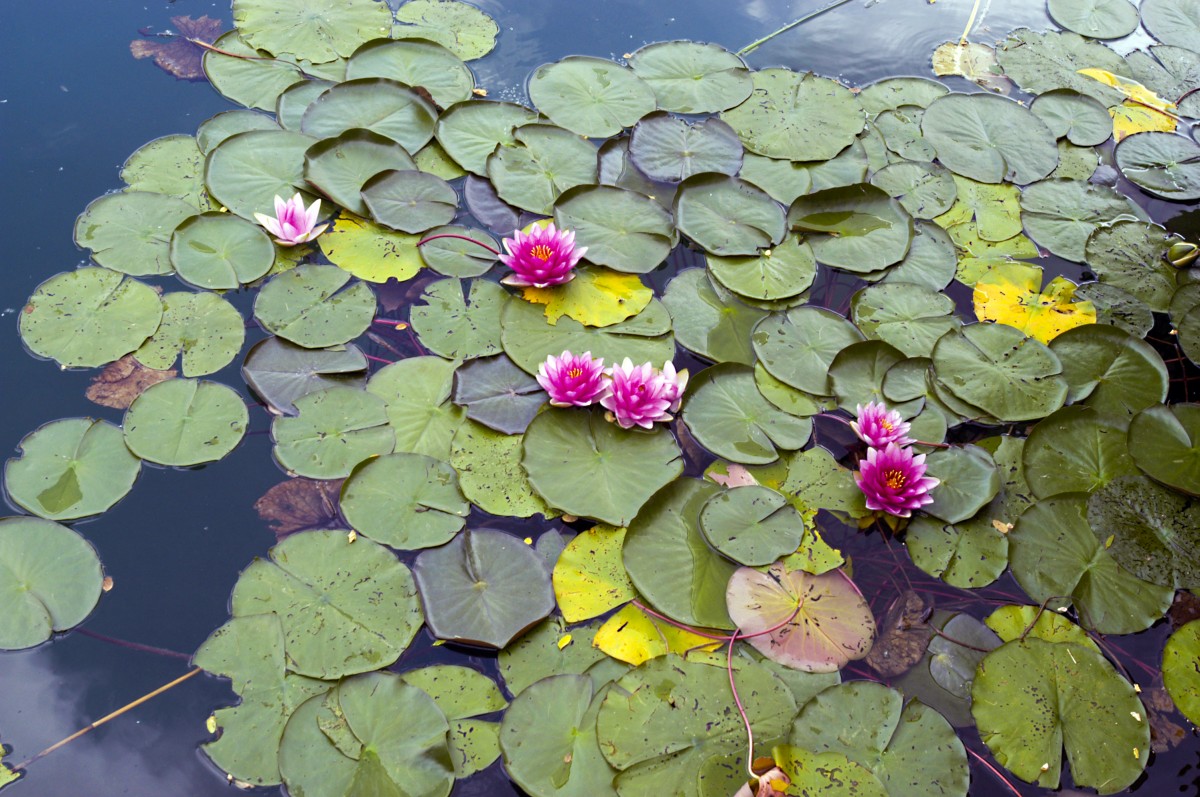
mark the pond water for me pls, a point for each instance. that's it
(73, 106)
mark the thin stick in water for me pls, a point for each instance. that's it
(752, 46)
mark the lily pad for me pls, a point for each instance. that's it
(218, 251)
(798, 347)
(453, 257)
(1076, 450)
(1152, 532)
(692, 77)
(410, 201)
(312, 30)
(669, 149)
(1162, 443)
(489, 470)
(461, 28)
(782, 272)
(345, 607)
(244, 77)
(1112, 371)
(247, 171)
(171, 165)
(1128, 255)
(621, 229)
(856, 228)
(910, 317)
(483, 588)
(541, 163)
(229, 123)
(1179, 669)
(593, 97)
(709, 320)
(1042, 62)
(752, 525)
(50, 580)
(498, 394)
(596, 297)
(369, 251)
(1077, 117)
(414, 62)
(924, 190)
(550, 649)
(405, 501)
(1172, 22)
(89, 317)
(131, 231)
(1162, 164)
(183, 422)
(1061, 214)
(315, 306)
(989, 138)
(417, 393)
(728, 216)
(380, 105)
(336, 429)
(783, 180)
(1097, 19)
(340, 166)
(471, 131)
(293, 101)
(1032, 697)
(281, 372)
(589, 578)
(969, 479)
(727, 415)
(202, 330)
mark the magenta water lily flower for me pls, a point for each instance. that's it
(573, 380)
(292, 223)
(675, 384)
(877, 426)
(894, 481)
(543, 257)
(638, 395)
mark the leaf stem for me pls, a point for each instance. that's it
(752, 46)
(124, 643)
(999, 775)
(461, 237)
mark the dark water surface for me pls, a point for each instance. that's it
(73, 105)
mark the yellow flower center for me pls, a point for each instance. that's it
(575, 373)
(887, 426)
(541, 252)
(895, 479)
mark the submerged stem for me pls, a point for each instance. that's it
(124, 643)
(461, 237)
(752, 46)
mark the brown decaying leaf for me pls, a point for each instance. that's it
(300, 505)
(1165, 732)
(176, 54)
(903, 635)
(1185, 609)
(123, 381)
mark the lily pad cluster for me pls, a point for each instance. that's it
(806, 248)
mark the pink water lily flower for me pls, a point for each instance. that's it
(573, 380)
(894, 481)
(638, 395)
(675, 384)
(292, 223)
(877, 426)
(543, 257)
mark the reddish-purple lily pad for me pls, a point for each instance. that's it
(832, 625)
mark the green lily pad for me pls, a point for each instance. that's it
(1061, 214)
(350, 741)
(1000, 370)
(346, 607)
(1172, 22)
(489, 470)
(202, 330)
(498, 394)
(658, 750)
(728, 416)
(1076, 450)
(1017, 622)
(969, 479)
(548, 739)
(911, 749)
(669, 149)
(70, 469)
(1117, 308)
(623, 468)
(417, 393)
(798, 117)
(593, 97)
(453, 257)
(1162, 443)
(89, 317)
(910, 317)
(989, 138)
(410, 201)
(247, 171)
(1032, 697)
(900, 130)
(380, 105)
(752, 525)
(856, 227)
(798, 347)
(1096, 19)
(1129, 255)
(483, 588)
(1054, 553)
(471, 131)
(709, 320)
(171, 165)
(783, 180)
(931, 260)
(461, 28)
(550, 649)
(1179, 669)
(857, 373)
(1151, 531)
(782, 272)
(281, 372)
(313, 30)
(315, 306)
(340, 166)
(335, 430)
(246, 78)
(369, 251)
(692, 77)
(219, 251)
(894, 92)
(1162, 164)
(414, 62)
(728, 216)
(405, 501)
(459, 325)
(621, 229)
(924, 190)
(460, 692)
(1042, 62)
(229, 123)
(970, 554)
(183, 422)
(541, 163)
(50, 580)
(131, 231)
(1111, 371)
(1077, 117)
(294, 100)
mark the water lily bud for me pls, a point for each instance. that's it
(1182, 254)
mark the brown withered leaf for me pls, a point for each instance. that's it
(1165, 732)
(175, 54)
(903, 635)
(1185, 609)
(301, 504)
(124, 380)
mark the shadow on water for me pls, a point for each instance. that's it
(74, 104)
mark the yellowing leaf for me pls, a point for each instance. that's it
(1011, 296)
(597, 297)
(589, 577)
(1129, 118)
(1130, 88)
(814, 554)
(371, 252)
(976, 62)
(632, 636)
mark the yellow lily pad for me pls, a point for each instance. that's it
(589, 577)
(632, 636)
(1011, 296)
(371, 252)
(1129, 118)
(597, 297)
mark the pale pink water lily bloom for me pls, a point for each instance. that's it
(292, 223)
(573, 380)
(675, 384)
(638, 395)
(877, 426)
(542, 257)
(893, 480)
